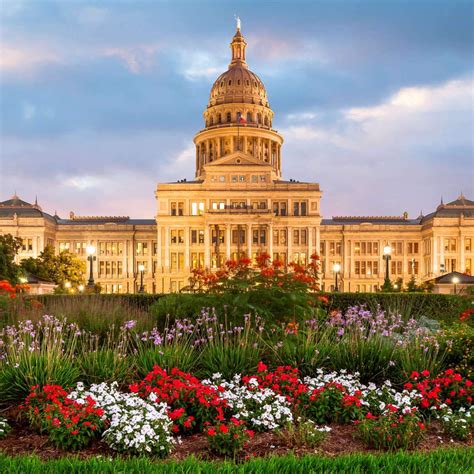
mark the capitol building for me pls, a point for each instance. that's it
(240, 205)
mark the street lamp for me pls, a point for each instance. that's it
(141, 269)
(387, 255)
(455, 281)
(90, 251)
(80, 288)
(336, 268)
(67, 285)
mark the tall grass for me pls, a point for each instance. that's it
(44, 353)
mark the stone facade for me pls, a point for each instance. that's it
(239, 205)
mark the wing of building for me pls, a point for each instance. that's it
(238, 204)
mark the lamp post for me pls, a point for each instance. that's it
(336, 268)
(67, 285)
(387, 255)
(90, 251)
(455, 281)
(141, 269)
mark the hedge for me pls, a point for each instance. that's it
(453, 461)
(433, 306)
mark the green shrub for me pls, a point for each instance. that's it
(433, 306)
(182, 356)
(457, 341)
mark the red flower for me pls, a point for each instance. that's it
(425, 373)
(211, 432)
(261, 367)
(224, 429)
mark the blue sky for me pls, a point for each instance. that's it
(100, 100)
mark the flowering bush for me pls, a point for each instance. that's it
(134, 425)
(457, 424)
(191, 402)
(5, 428)
(69, 424)
(451, 388)
(228, 439)
(395, 428)
(260, 408)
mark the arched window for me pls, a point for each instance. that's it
(211, 121)
(230, 83)
(259, 118)
(266, 121)
(249, 117)
(219, 118)
(229, 117)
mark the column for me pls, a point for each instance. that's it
(167, 248)
(219, 151)
(309, 231)
(259, 151)
(207, 248)
(462, 263)
(249, 240)
(227, 241)
(159, 250)
(289, 241)
(441, 254)
(270, 240)
(186, 247)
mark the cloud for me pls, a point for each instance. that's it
(408, 149)
(199, 65)
(18, 58)
(137, 59)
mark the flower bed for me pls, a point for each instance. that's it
(228, 414)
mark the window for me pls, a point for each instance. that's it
(27, 245)
(177, 208)
(300, 236)
(366, 267)
(197, 208)
(177, 236)
(279, 208)
(450, 245)
(254, 178)
(222, 179)
(263, 178)
(412, 248)
(229, 117)
(110, 269)
(177, 261)
(259, 236)
(467, 245)
(413, 267)
(197, 236)
(238, 236)
(197, 260)
(214, 236)
(335, 248)
(396, 267)
(242, 178)
(142, 248)
(468, 266)
(64, 246)
(215, 205)
(299, 208)
(80, 248)
(299, 258)
(234, 179)
(279, 257)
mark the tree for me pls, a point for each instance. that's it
(9, 247)
(65, 267)
(412, 287)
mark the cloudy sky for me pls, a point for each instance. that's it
(100, 100)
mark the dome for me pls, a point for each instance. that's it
(238, 84)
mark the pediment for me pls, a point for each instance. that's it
(237, 158)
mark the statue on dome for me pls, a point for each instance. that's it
(237, 19)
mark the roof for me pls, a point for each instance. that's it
(448, 278)
(456, 208)
(20, 208)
